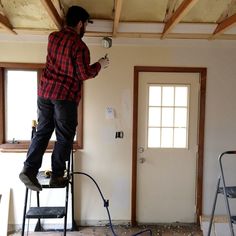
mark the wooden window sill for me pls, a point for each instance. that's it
(24, 145)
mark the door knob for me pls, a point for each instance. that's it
(140, 150)
(141, 160)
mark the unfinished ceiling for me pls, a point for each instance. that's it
(183, 19)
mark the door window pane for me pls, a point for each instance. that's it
(154, 118)
(167, 96)
(167, 138)
(180, 137)
(167, 117)
(181, 96)
(168, 110)
(180, 117)
(154, 96)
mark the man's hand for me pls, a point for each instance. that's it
(104, 62)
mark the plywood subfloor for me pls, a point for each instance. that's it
(157, 230)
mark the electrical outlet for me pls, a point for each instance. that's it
(119, 134)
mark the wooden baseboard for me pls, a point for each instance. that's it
(217, 219)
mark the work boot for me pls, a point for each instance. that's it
(30, 180)
(58, 181)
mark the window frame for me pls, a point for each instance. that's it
(161, 106)
(23, 145)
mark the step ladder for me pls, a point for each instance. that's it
(50, 212)
(228, 192)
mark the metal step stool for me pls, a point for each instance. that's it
(229, 192)
(50, 212)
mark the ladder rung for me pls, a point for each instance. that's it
(46, 212)
(230, 191)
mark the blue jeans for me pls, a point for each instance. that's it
(61, 116)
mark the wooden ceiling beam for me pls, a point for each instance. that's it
(118, 7)
(170, 9)
(5, 23)
(180, 12)
(227, 12)
(224, 25)
(52, 12)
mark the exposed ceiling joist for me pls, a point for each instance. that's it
(224, 25)
(5, 23)
(227, 12)
(48, 15)
(170, 9)
(180, 12)
(118, 7)
(52, 12)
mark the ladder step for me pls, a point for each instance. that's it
(44, 180)
(230, 191)
(46, 212)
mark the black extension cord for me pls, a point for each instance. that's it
(106, 205)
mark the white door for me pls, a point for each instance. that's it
(167, 147)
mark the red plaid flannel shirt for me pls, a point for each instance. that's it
(67, 66)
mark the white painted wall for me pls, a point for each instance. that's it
(108, 159)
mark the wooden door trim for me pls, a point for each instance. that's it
(201, 129)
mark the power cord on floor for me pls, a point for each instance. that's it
(106, 205)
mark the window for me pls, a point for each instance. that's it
(18, 106)
(18, 117)
(168, 110)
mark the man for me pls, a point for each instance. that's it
(67, 66)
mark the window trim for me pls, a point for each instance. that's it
(24, 145)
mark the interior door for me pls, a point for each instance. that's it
(168, 107)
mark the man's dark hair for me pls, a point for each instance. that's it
(76, 14)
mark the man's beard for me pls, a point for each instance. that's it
(82, 31)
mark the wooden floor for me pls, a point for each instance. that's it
(158, 230)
